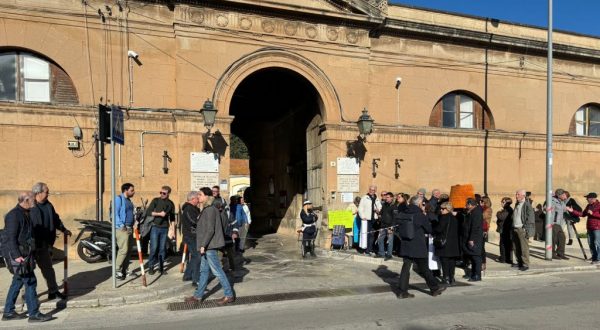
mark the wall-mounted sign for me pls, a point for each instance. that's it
(346, 165)
(199, 180)
(204, 162)
(348, 183)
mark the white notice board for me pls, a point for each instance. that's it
(204, 162)
(346, 165)
(348, 183)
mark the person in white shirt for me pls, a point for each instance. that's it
(368, 211)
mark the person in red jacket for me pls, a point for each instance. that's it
(592, 212)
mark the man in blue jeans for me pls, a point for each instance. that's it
(18, 253)
(163, 211)
(210, 239)
(190, 213)
(387, 221)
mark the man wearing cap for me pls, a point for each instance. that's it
(559, 201)
(592, 212)
(309, 229)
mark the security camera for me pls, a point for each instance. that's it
(132, 54)
(398, 82)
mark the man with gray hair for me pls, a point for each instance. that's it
(45, 223)
(18, 252)
(190, 213)
(523, 228)
(558, 209)
(368, 211)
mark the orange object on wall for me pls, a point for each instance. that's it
(459, 194)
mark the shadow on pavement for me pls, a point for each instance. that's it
(82, 283)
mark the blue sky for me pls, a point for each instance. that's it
(580, 16)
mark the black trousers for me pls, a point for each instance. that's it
(422, 264)
(43, 258)
(448, 267)
(476, 266)
(506, 247)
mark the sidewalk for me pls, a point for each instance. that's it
(538, 264)
(273, 266)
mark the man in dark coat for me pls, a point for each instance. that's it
(387, 221)
(473, 237)
(190, 213)
(416, 250)
(18, 252)
(45, 223)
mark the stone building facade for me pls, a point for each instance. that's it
(290, 77)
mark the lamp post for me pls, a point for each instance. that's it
(365, 124)
(209, 114)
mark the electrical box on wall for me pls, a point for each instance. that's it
(73, 145)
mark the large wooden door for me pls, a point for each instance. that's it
(314, 163)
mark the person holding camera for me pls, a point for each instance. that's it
(18, 251)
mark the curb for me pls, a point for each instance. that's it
(490, 273)
(114, 301)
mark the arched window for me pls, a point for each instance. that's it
(25, 77)
(586, 121)
(460, 110)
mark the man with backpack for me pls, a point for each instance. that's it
(18, 248)
(413, 225)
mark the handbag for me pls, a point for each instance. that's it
(440, 241)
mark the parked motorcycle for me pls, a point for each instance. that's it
(97, 245)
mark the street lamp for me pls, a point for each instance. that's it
(209, 113)
(365, 124)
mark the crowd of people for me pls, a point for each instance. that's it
(446, 235)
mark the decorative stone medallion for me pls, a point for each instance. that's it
(268, 26)
(290, 28)
(222, 20)
(352, 37)
(332, 34)
(245, 23)
(311, 32)
(196, 16)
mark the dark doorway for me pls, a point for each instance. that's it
(273, 109)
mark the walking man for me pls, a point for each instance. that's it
(210, 239)
(163, 211)
(45, 223)
(123, 224)
(368, 211)
(523, 227)
(19, 252)
(415, 250)
(592, 212)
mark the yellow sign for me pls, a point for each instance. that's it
(341, 217)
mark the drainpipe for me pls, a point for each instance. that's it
(142, 143)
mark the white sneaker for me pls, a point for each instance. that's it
(595, 262)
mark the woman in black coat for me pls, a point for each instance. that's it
(448, 228)
(473, 237)
(505, 227)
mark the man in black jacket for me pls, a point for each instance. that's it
(387, 221)
(45, 223)
(473, 237)
(18, 231)
(190, 213)
(416, 250)
(163, 211)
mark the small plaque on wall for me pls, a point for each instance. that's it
(347, 165)
(204, 162)
(348, 183)
(199, 180)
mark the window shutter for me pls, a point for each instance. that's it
(63, 90)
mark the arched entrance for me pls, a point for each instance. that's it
(277, 114)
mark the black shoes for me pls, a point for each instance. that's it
(524, 268)
(13, 316)
(377, 256)
(475, 279)
(570, 242)
(562, 256)
(39, 318)
(405, 295)
(151, 271)
(57, 294)
(439, 291)
(388, 258)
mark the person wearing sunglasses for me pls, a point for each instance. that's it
(163, 211)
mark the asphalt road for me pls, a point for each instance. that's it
(554, 301)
